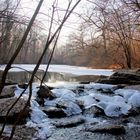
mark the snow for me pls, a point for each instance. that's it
(114, 105)
(62, 69)
(131, 96)
(38, 119)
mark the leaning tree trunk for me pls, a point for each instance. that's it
(8, 66)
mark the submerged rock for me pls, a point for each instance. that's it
(5, 105)
(8, 91)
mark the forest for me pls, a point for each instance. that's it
(69, 70)
(107, 34)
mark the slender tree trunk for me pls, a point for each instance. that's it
(8, 66)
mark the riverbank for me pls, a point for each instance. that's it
(80, 111)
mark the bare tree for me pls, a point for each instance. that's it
(51, 37)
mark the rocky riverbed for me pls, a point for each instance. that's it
(77, 111)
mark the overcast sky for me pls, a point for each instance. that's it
(27, 8)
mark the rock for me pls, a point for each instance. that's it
(22, 132)
(23, 86)
(122, 77)
(94, 110)
(54, 112)
(10, 82)
(5, 105)
(107, 128)
(105, 91)
(133, 112)
(84, 82)
(69, 121)
(40, 101)
(8, 91)
(44, 92)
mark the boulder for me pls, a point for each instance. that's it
(106, 128)
(5, 105)
(23, 86)
(8, 91)
(44, 92)
(54, 112)
(122, 77)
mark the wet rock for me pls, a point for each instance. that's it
(44, 92)
(106, 91)
(23, 86)
(40, 101)
(8, 91)
(69, 122)
(107, 128)
(94, 110)
(134, 112)
(84, 82)
(54, 112)
(5, 105)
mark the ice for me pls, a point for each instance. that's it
(62, 69)
(40, 122)
(131, 96)
(87, 100)
(71, 108)
(64, 93)
(126, 93)
(25, 95)
(134, 100)
(113, 106)
(50, 102)
(98, 86)
(115, 110)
